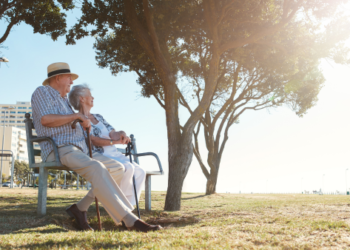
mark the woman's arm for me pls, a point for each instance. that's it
(97, 141)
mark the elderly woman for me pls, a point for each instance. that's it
(104, 138)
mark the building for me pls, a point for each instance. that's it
(13, 114)
(15, 140)
(12, 119)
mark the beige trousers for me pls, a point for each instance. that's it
(98, 171)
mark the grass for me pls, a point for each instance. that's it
(220, 221)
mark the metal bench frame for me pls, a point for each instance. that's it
(57, 165)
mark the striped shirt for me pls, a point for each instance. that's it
(45, 101)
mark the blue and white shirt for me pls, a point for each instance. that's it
(96, 131)
(45, 101)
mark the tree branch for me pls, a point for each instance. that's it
(8, 29)
(151, 28)
(229, 101)
(159, 101)
(197, 154)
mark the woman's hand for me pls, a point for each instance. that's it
(120, 136)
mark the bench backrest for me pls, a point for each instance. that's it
(32, 152)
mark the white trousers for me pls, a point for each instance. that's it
(103, 173)
(126, 184)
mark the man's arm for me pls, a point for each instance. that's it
(53, 120)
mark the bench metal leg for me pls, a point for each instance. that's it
(42, 192)
(148, 193)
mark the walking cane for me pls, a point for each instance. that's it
(90, 153)
(128, 152)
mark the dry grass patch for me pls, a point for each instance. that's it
(221, 221)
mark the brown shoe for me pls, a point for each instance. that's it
(141, 226)
(80, 217)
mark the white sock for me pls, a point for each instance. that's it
(130, 219)
(84, 204)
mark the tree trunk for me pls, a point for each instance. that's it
(211, 183)
(180, 150)
(178, 168)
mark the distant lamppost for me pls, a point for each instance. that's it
(323, 183)
(77, 182)
(346, 183)
(266, 186)
(301, 185)
(3, 139)
(65, 179)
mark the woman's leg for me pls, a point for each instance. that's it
(127, 182)
(140, 177)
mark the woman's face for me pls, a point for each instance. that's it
(88, 99)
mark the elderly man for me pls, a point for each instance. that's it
(53, 116)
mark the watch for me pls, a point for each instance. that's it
(111, 142)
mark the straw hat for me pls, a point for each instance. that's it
(58, 69)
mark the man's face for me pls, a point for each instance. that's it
(65, 81)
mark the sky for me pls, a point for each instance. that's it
(268, 151)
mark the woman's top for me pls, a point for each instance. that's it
(102, 130)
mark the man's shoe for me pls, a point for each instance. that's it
(141, 226)
(80, 217)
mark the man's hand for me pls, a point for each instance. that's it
(85, 122)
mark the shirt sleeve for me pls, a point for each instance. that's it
(41, 103)
(108, 126)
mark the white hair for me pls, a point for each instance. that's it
(75, 94)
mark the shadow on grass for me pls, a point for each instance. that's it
(74, 243)
(195, 197)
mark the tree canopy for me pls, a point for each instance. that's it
(46, 17)
(167, 41)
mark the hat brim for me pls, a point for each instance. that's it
(74, 77)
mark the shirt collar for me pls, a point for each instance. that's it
(56, 91)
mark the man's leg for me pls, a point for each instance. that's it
(104, 187)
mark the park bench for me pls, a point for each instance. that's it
(43, 167)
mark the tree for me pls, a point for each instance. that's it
(44, 16)
(21, 170)
(150, 38)
(266, 74)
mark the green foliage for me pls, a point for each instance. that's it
(46, 17)
(283, 60)
(4, 178)
(21, 168)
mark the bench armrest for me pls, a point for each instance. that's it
(54, 145)
(156, 156)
